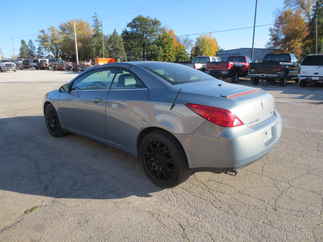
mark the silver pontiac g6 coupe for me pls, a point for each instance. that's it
(173, 118)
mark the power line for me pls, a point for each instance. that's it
(228, 30)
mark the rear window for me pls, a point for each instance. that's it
(237, 59)
(201, 60)
(313, 60)
(277, 58)
(176, 73)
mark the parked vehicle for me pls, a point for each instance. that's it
(7, 66)
(199, 62)
(30, 64)
(173, 118)
(275, 67)
(234, 67)
(311, 70)
(43, 64)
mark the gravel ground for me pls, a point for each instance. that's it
(74, 189)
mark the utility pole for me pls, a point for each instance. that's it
(76, 50)
(316, 28)
(254, 32)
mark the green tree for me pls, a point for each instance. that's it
(97, 41)
(115, 46)
(51, 41)
(31, 49)
(205, 46)
(24, 50)
(40, 52)
(139, 37)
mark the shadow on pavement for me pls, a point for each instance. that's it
(32, 162)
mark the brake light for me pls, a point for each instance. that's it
(218, 116)
(229, 65)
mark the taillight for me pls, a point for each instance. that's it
(229, 65)
(218, 116)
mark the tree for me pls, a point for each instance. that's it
(24, 50)
(205, 45)
(115, 46)
(97, 41)
(1, 54)
(289, 32)
(40, 52)
(31, 49)
(84, 35)
(139, 37)
(305, 6)
(51, 41)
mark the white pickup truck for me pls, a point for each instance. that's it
(311, 70)
(199, 62)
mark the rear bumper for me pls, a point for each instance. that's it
(265, 75)
(231, 148)
(318, 79)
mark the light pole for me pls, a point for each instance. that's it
(254, 32)
(316, 33)
(76, 49)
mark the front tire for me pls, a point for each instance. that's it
(52, 122)
(163, 159)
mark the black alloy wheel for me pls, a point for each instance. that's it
(163, 160)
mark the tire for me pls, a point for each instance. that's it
(255, 81)
(163, 159)
(52, 122)
(302, 83)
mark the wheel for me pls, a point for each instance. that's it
(255, 81)
(302, 83)
(163, 159)
(283, 82)
(52, 122)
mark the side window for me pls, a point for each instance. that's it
(126, 80)
(94, 81)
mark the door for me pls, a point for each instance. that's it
(85, 109)
(126, 109)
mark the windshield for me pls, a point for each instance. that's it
(277, 58)
(237, 59)
(313, 60)
(177, 73)
(202, 60)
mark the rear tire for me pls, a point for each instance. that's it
(52, 122)
(255, 81)
(163, 159)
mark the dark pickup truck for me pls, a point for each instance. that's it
(234, 67)
(275, 67)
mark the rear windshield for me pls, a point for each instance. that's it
(237, 59)
(313, 60)
(201, 60)
(176, 73)
(277, 58)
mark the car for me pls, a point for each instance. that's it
(234, 67)
(43, 64)
(275, 67)
(175, 119)
(7, 66)
(199, 62)
(311, 70)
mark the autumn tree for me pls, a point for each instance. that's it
(24, 50)
(115, 46)
(31, 49)
(289, 32)
(205, 46)
(84, 35)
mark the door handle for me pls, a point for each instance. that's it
(98, 100)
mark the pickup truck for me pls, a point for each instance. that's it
(311, 70)
(235, 66)
(199, 62)
(275, 67)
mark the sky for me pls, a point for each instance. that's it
(22, 19)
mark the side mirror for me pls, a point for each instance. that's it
(64, 88)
